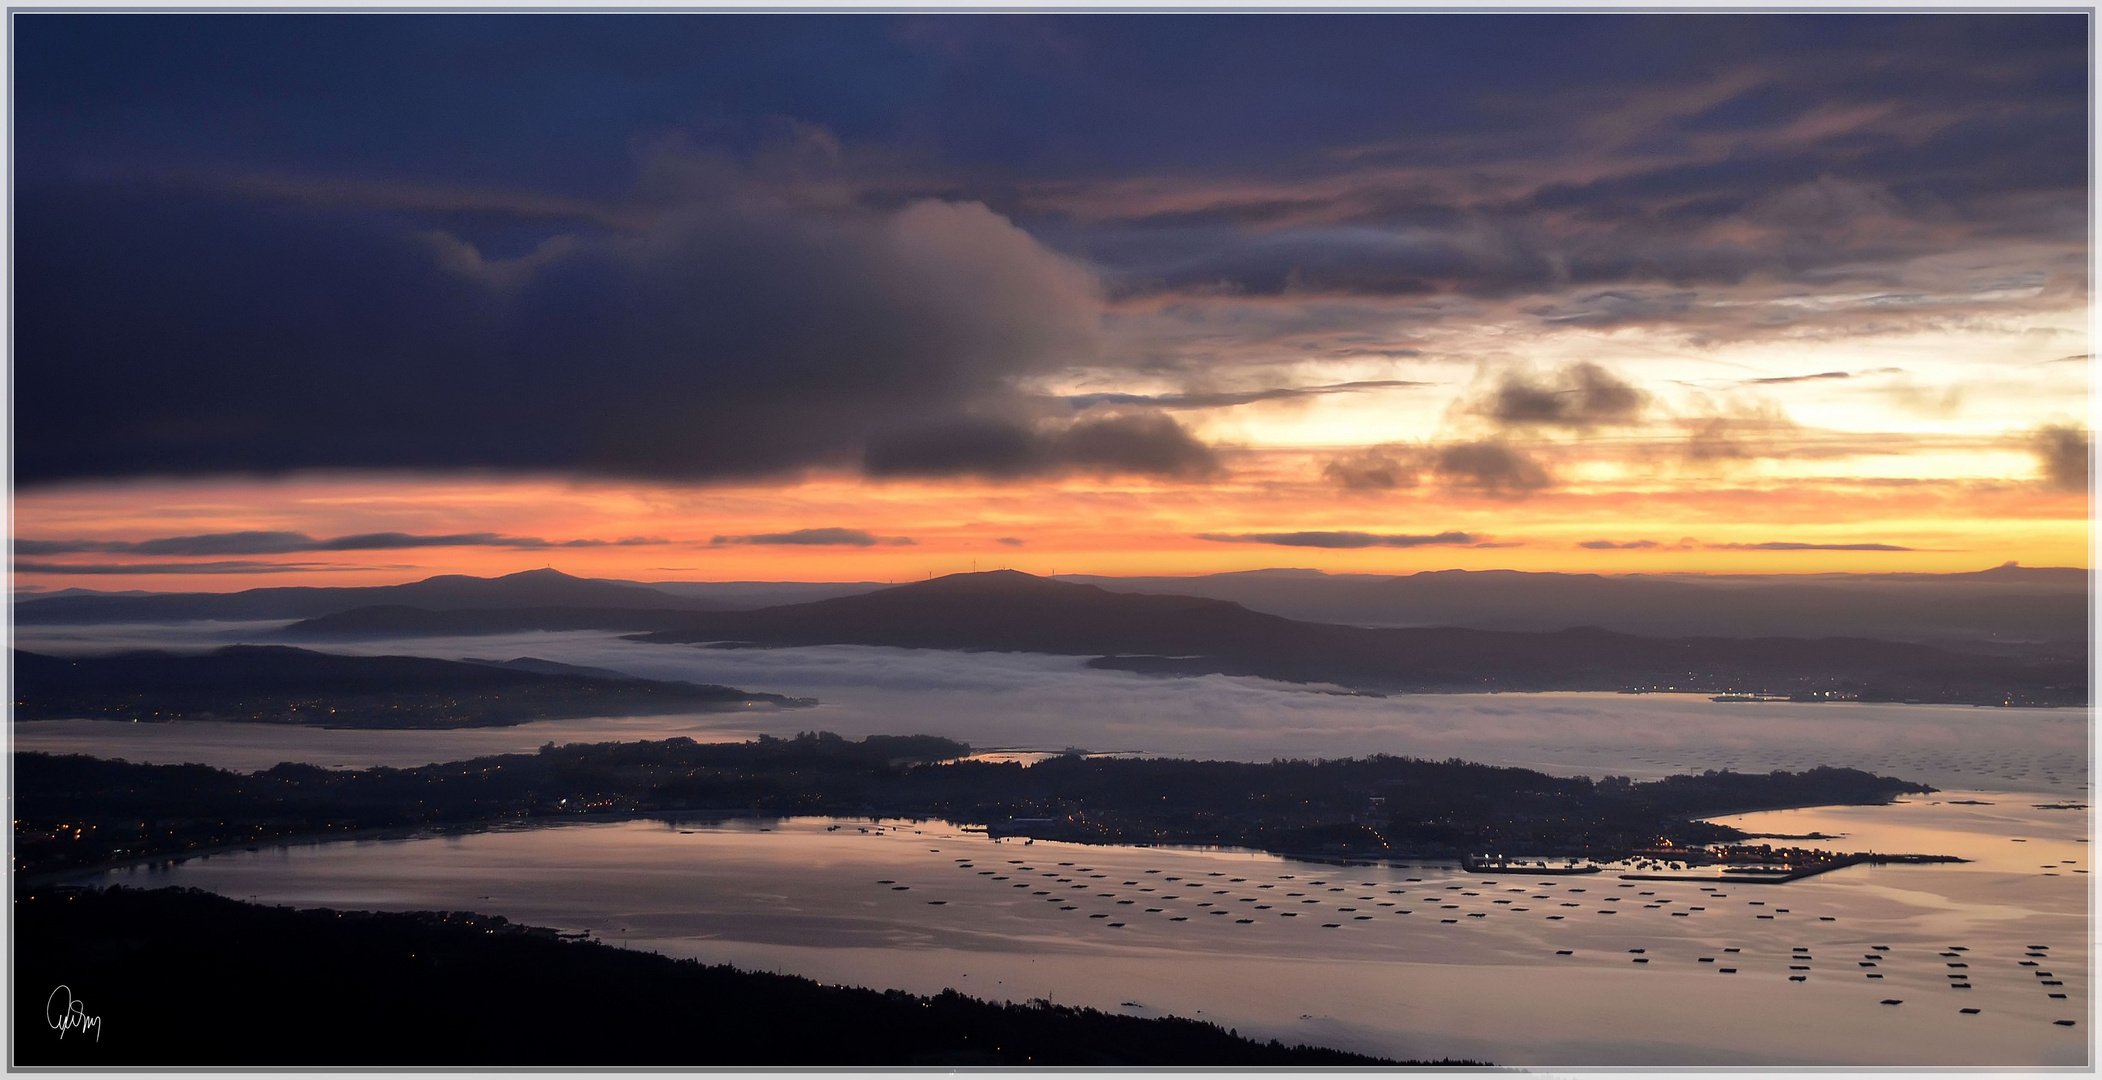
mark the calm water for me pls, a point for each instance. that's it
(1414, 961)
(1049, 702)
(1391, 976)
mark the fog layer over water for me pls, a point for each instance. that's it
(1408, 961)
(1053, 702)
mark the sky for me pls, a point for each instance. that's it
(346, 299)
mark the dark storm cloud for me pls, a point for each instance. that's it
(425, 242)
(1796, 150)
(1363, 262)
(282, 543)
(1780, 545)
(2063, 451)
(1140, 443)
(1491, 467)
(1580, 396)
(174, 333)
(820, 538)
(1216, 400)
(1347, 539)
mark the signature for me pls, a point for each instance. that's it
(64, 1012)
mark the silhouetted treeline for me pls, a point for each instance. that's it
(76, 811)
(180, 977)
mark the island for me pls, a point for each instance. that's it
(448, 988)
(75, 811)
(276, 684)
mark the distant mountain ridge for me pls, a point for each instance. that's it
(531, 588)
(2016, 607)
(1010, 611)
(2008, 603)
(1174, 634)
(1168, 634)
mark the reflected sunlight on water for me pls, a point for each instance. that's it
(1405, 960)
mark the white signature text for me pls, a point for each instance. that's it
(65, 1013)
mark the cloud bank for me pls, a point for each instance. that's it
(728, 338)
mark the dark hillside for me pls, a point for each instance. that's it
(188, 978)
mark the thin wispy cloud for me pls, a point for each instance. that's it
(1224, 399)
(229, 566)
(829, 537)
(1789, 545)
(1782, 379)
(285, 543)
(1345, 540)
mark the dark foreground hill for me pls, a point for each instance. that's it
(185, 978)
(276, 684)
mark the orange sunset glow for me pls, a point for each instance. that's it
(1087, 538)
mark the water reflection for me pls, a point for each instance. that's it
(1045, 703)
(1405, 960)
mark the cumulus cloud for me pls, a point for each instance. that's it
(803, 308)
(1492, 467)
(820, 538)
(1150, 444)
(1581, 395)
(728, 335)
(281, 543)
(2062, 450)
(1376, 468)
(1347, 539)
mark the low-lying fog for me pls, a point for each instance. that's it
(1053, 702)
